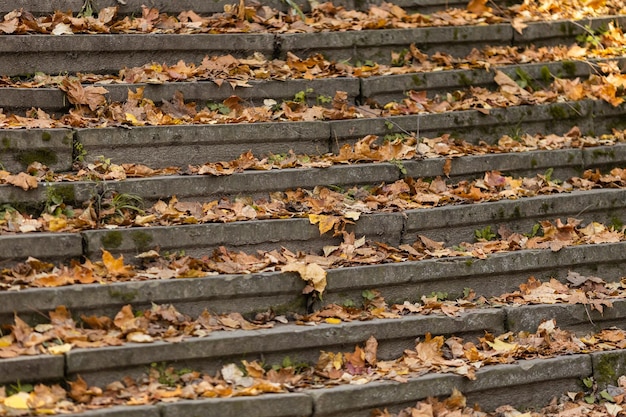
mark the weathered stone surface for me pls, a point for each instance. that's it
(123, 411)
(198, 144)
(472, 125)
(202, 239)
(270, 405)
(299, 343)
(109, 53)
(51, 147)
(565, 164)
(54, 100)
(561, 32)
(377, 45)
(32, 369)
(44, 246)
(582, 319)
(387, 88)
(245, 293)
(455, 224)
(502, 272)
(608, 117)
(608, 367)
(493, 387)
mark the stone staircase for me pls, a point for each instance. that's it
(284, 296)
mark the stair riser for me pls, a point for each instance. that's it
(198, 144)
(28, 54)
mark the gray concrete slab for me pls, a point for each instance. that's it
(272, 346)
(196, 144)
(561, 31)
(21, 147)
(604, 158)
(17, 100)
(499, 273)
(455, 224)
(202, 239)
(244, 293)
(202, 7)
(608, 367)
(582, 319)
(256, 183)
(269, 405)
(26, 369)
(608, 117)
(388, 88)
(44, 246)
(527, 384)
(494, 386)
(123, 411)
(565, 164)
(377, 45)
(472, 125)
(26, 55)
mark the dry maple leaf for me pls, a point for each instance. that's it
(116, 267)
(91, 96)
(478, 6)
(312, 273)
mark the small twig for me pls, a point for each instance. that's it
(583, 210)
(589, 315)
(386, 119)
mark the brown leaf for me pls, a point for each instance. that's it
(91, 96)
(116, 267)
(478, 6)
(312, 273)
(23, 180)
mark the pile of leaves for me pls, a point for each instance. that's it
(596, 404)
(331, 208)
(92, 109)
(238, 72)
(367, 150)
(309, 266)
(432, 354)
(165, 323)
(324, 17)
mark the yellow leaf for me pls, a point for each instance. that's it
(326, 223)
(60, 349)
(500, 346)
(57, 223)
(312, 273)
(18, 401)
(133, 120)
(352, 215)
(332, 320)
(141, 220)
(6, 341)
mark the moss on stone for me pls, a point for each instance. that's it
(45, 156)
(112, 239)
(141, 239)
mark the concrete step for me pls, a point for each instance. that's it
(381, 89)
(282, 292)
(393, 228)
(564, 163)
(525, 384)
(132, 7)
(180, 145)
(101, 53)
(493, 386)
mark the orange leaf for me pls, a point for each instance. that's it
(116, 267)
(478, 6)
